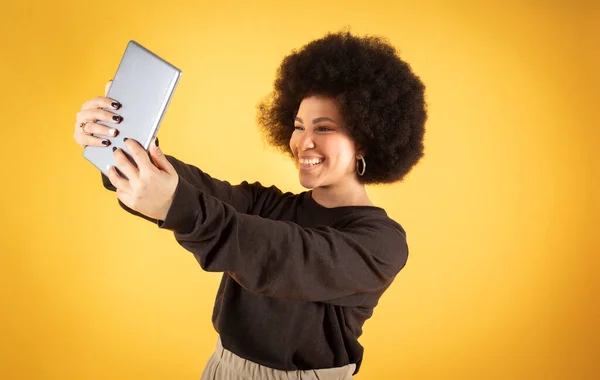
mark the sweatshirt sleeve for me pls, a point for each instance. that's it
(282, 259)
(241, 197)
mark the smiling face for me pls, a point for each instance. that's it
(323, 151)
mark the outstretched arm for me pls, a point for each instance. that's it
(282, 259)
(242, 197)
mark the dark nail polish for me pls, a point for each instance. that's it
(115, 105)
(116, 118)
(125, 139)
(105, 142)
(114, 148)
(156, 141)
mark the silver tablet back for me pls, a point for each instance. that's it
(143, 84)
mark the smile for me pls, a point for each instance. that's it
(309, 164)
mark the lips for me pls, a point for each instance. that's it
(310, 160)
(309, 167)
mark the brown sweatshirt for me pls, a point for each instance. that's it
(299, 279)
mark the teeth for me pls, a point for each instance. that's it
(310, 161)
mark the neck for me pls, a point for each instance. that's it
(342, 195)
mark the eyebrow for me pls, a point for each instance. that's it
(317, 119)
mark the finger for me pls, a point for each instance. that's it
(84, 140)
(101, 102)
(139, 154)
(94, 114)
(124, 164)
(159, 159)
(117, 181)
(107, 87)
(97, 129)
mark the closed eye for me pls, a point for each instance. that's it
(325, 129)
(320, 129)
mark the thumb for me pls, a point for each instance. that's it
(159, 159)
(107, 87)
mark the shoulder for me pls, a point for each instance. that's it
(372, 228)
(371, 219)
(375, 223)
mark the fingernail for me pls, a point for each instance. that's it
(115, 105)
(156, 141)
(116, 118)
(114, 132)
(105, 142)
(125, 139)
(114, 148)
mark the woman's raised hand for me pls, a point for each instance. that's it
(91, 112)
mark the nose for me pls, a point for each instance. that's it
(305, 141)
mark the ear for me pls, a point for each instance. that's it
(361, 151)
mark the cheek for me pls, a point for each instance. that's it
(341, 153)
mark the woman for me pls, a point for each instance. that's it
(301, 272)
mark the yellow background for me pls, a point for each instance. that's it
(501, 214)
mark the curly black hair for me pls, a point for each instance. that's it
(380, 99)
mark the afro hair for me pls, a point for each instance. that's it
(380, 99)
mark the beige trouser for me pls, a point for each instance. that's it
(225, 365)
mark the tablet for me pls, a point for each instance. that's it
(143, 84)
